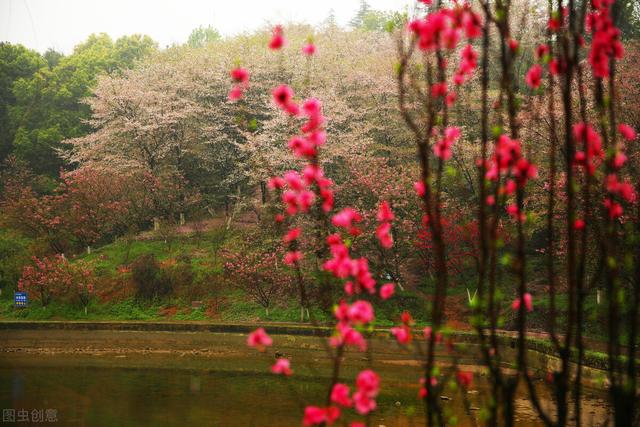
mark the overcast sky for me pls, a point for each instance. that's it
(61, 24)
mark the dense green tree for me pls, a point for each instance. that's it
(16, 62)
(48, 107)
(52, 57)
(358, 19)
(202, 36)
(628, 17)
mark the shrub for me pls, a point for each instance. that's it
(149, 279)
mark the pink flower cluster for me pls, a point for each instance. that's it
(282, 367)
(591, 153)
(348, 318)
(534, 76)
(442, 148)
(468, 64)
(240, 77)
(300, 191)
(277, 38)
(507, 161)
(528, 302)
(443, 28)
(367, 389)
(342, 266)
(259, 339)
(383, 232)
(403, 332)
(606, 42)
(616, 188)
(314, 415)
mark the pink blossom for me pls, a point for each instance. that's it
(442, 148)
(361, 312)
(406, 318)
(309, 49)
(472, 24)
(259, 339)
(340, 395)
(283, 97)
(606, 43)
(368, 381)
(240, 75)
(627, 132)
(276, 183)
(427, 332)
(465, 378)
(619, 159)
(364, 404)
(302, 147)
(542, 50)
(623, 189)
(346, 335)
(383, 233)
(293, 180)
(282, 367)
(402, 334)
(420, 188)
(451, 98)
(292, 235)
(513, 45)
(534, 76)
(368, 386)
(439, 90)
(387, 290)
(579, 224)
(277, 38)
(384, 212)
(515, 213)
(314, 415)
(312, 108)
(614, 208)
(528, 302)
(292, 257)
(235, 93)
(345, 218)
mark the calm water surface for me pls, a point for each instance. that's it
(228, 388)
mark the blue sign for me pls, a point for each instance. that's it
(20, 299)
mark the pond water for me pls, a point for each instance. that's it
(222, 384)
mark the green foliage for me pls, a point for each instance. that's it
(16, 63)
(15, 253)
(202, 36)
(628, 18)
(368, 19)
(45, 94)
(358, 19)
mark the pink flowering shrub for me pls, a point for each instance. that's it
(54, 277)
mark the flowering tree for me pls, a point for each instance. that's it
(55, 277)
(585, 149)
(260, 273)
(92, 205)
(46, 279)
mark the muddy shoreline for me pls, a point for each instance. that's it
(208, 340)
